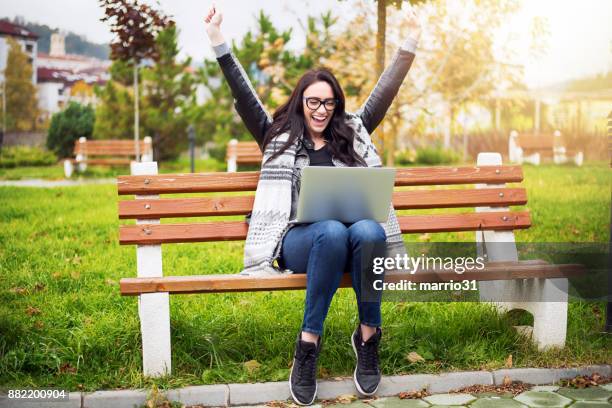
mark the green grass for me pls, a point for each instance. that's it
(64, 324)
(56, 171)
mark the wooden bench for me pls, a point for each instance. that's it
(534, 149)
(106, 153)
(242, 153)
(492, 221)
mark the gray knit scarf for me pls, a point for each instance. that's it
(271, 210)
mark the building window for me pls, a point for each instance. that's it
(30, 61)
(60, 91)
(29, 47)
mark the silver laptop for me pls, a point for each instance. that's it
(346, 194)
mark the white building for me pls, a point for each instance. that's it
(59, 73)
(27, 40)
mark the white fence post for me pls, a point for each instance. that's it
(549, 318)
(153, 308)
(68, 168)
(147, 154)
(232, 152)
(81, 157)
(515, 153)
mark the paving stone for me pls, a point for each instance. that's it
(591, 404)
(453, 381)
(607, 387)
(526, 375)
(332, 389)
(582, 394)
(450, 399)
(494, 395)
(250, 394)
(542, 399)
(354, 404)
(209, 395)
(496, 403)
(394, 402)
(551, 388)
(394, 384)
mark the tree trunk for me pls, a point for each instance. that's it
(136, 113)
(380, 64)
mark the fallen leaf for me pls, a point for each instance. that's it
(413, 394)
(414, 357)
(346, 398)
(31, 311)
(507, 380)
(19, 290)
(67, 368)
(252, 366)
(39, 286)
(509, 361)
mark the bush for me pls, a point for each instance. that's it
(427, 155)
(67, 126)
(26, 156)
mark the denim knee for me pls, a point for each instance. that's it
(366, 231)
(332, 233)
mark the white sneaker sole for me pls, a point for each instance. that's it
(293, 395)
(361, 391)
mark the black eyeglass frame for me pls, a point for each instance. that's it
(321, 102)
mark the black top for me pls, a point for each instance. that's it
(320, 157)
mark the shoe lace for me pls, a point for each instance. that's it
(307, 366)
(368, 356)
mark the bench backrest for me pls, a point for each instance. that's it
(539, 142)
(110, 147)
(244, 152)
(148, 208)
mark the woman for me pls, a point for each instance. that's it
(312, 128)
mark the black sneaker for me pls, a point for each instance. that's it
(367, 373)
(303, 377)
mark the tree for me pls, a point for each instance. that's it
(272, 68)
(114, 112)
(21, 101)
(168, 92)
(136, 27)
(68, 126)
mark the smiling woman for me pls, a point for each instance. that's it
(313, 128)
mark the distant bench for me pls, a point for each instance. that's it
(106, 153)
(534, 149)
(530, 281)
(242, 153)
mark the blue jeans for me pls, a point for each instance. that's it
(325, 250)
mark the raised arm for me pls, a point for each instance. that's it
(247, 103)
(376, 105)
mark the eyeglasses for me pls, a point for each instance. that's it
(314, 103)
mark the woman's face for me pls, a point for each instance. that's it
(317, 117)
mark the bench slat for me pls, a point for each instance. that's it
(238, 283)
(150, 234)
(402, 200)
(107, 161)
(247, 181)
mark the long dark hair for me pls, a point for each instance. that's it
(290, 117)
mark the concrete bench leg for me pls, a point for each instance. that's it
(232, 165)
(545, 299)
(153, 308)
(68, 168)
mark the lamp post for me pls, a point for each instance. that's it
(3, 112)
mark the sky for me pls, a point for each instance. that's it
(580, 41)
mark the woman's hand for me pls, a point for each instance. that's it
(212, 21)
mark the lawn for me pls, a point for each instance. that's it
(64, 324)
